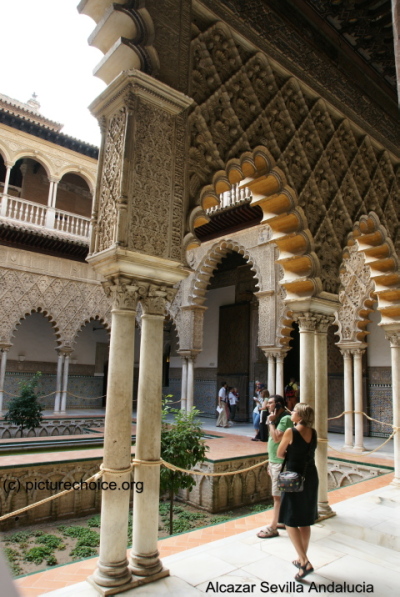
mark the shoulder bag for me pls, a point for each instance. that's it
(289, 481)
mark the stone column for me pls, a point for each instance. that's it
(307, 326)
(57, 399)
(271, 373)
(54, 197)
(184, 383)
(65, 383)
(7, 177)
(280, 383)
(321, 411)
(50, 194)
(348, 398)
(190, 382)
(144, 559)
(358, 401)
(4, 350)
(112, 568)
(394, 339)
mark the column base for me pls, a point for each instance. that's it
(324, 511)
(136, 581)
(347, 447)
(359, 449)
(145, 565)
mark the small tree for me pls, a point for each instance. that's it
(24, 410)
(182, 444)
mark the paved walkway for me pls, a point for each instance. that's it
(231, 552)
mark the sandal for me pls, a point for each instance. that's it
(306, 571)
(296, 563)
(267, 533)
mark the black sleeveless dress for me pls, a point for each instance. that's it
(301, 509)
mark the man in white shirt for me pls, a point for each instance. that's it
(233, 398)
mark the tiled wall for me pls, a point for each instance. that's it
(87, 390)
(379, 391)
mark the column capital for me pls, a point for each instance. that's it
(124, 292)
(393, 337)
(157, 298)
(272, 351)
(307, 321)
(5, 346)
(323, 322)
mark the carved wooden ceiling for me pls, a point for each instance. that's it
(356, 34)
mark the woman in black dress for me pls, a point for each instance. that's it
(299, 511)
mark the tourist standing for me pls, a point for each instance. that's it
(223, 417)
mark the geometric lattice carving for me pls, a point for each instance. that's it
(245, 100)
(68, 304)
(354, 296)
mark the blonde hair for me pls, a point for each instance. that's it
(306, 414)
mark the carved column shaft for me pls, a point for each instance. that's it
(394, 339)
(348, 398)
(358, 402)
(271, 374)
(144, 555)
(65, 383)
(112, 567)
(4, 352)
(321, 411)
(57, 398)
(184, 383)
(307, 325)
(280, 383)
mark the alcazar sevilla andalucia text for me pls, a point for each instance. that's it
(239, 222)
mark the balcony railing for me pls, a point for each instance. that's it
(43, 216)
(231, 198)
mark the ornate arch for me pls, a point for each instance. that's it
(278, 201)
(204, 272)
(371, 238)
(46, 314)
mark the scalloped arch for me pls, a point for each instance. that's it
(87, 320)
(278, 201)
(43, 311)
(372, 239)
(208, 264)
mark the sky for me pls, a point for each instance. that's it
(44, 50)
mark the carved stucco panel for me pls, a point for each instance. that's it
(356, 288)
(68, 303)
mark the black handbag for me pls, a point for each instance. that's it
(289, 481)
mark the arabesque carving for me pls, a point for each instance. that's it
(68, 304)
(355, 297)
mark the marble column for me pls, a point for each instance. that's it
(321, 411)
(271, 373)
(394, 339)
(348, 398)
(358, 401)
(65, 383)
(280, 383)
(112, 568)
(57, 399)
(184, 383)
(4, 351)
(307, 326)
(144, 560)
(7, 177)
(54, 196)
(190, 382)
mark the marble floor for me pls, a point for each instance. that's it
(360, 547)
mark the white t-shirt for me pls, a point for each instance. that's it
(222, 394)
(232, 398)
